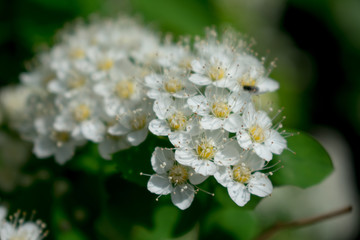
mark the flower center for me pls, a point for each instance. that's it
(241, 174)
(82, 112)
(106, 64)
(61, 136)
(205, 150)
(77, 53)
(178, 175)
(173, 85)
(125, 89)
(23, 236)
(257, 134)
(216, 73)
(247, 81)
(138, 122)
(76, 82)
(177, 121)
(220, 109)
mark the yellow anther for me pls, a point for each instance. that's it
(77, 53)
(173, 85)
(241, 174)
(82, 112)
(177, 121)
(257, 134)
(106, 64)
(216, 73)
(220, 109)
(205, 150)
(178, 174)
(138, 122)
(125, 89)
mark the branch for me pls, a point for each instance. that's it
(302, 222)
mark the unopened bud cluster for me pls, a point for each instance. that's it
(111, 81)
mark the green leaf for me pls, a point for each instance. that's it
(307, 166)
(238, 222)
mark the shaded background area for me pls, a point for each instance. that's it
(317, 44)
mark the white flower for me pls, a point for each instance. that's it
(134, 123)
(218, 70)
(257, 134)
(173, 178)
(219, 108)
(70, 84)
(122, 90)
(82, 117)
(104, 61)
(251, 76)
(20, 229)
(242, 179)
(53, 142)
(112, 144)
(174, 120)
(170, 83)
(198, 151)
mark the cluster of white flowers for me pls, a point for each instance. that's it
(111, 81)
(18, 228)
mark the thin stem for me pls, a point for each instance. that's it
(302, 222)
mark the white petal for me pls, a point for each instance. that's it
(102, 89)
(204, 167)
(223, 176)
(196, 178)
(180, 139)
(233, 123)
(182, 196)
(63, 123)
(162, 160)
(211, 123)
(29, 229)
(159, 184)
(159, 127)
(44, 147)
(7, 231)
(244, 139)
(112, 106)
(93, 130)
(260, 185)
(185, 156)
(153, 81)
(118, 129)
(199, 105)
(263, 151)
(137, 137)
(267, 85)
(238, 102)
(197, 66)
(263, 119)
(161, 107)
(199, 79)
(231, 154)
(239, 194)
(276, 142)
(64, 153)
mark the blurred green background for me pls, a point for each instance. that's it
(317, 47)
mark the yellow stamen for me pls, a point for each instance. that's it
(177, 121)
(241, 174)
(138, 122)
(173, 85)
(106, 64)
(216, 73)
(125, 89)
(257, 134)
(178, 175)
(205, 150)
(220, 109)
(77, 53)
(82, 112)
